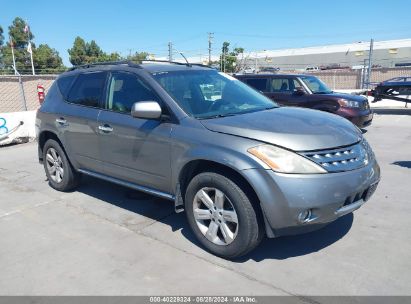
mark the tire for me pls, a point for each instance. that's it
(245, 231)
(64, 178)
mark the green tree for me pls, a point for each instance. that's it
(78, 53)
(47, 60)
(84, 52)
(228, 60)
(19, 39)
(93, 51)
(1, 48)
(1, 37)
(138, 57)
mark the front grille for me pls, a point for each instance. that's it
(341, 159)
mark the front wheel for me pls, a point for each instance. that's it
(221, 215)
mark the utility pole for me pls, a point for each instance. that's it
(370, 63)
(224, 60)
(210, 41)
(255, 63)
(170, 51)
(363, 72)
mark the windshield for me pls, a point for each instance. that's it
(315, 85)
(209, 94)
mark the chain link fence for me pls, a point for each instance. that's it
(354, 79)
(19, 93)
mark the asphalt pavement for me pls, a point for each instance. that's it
(103, 239)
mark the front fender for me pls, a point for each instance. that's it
(204, 145)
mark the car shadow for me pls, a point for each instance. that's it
(285, 247)
(405, 164)
(392, 111)
(163, 211)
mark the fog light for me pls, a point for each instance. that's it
(304, 216)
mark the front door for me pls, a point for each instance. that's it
(283, 90)
(134, 150)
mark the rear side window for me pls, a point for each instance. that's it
(64, 84)
(87, 89)
(259, 84)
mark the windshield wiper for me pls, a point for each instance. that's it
(216, 116)
(236, 113)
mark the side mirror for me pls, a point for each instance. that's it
(299, 91)
(146, 110)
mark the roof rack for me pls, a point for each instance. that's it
(132, 64)
(89, 65)
(176, 62)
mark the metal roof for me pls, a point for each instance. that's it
(336, 48)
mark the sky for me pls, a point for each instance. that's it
(128, 26)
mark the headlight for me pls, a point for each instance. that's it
(284, 161)
(348, 103)
(370, 154)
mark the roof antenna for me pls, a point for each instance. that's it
(188, 63)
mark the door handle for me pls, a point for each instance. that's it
(105, 129)
(61, 121)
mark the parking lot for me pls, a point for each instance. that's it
(104, 239)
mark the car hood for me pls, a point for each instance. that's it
(293, 128)
(345, 96)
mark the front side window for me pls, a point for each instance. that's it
(124, 90)
(209, 94)
(87, 90)
(315, 85)
(283, 85)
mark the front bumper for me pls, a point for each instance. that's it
(284, 197)
(360, 118)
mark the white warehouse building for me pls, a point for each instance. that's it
(390, 53)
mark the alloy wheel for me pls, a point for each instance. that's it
(54, 165)
(215, 216)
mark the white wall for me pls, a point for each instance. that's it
(10, 122)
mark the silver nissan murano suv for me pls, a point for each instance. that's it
(240, 166)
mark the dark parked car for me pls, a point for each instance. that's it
(310, 92)
(393, 88)
(240, 166)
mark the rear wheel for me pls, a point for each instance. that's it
(60, 173)
(221, 215)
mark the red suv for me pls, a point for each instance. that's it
(310, 92)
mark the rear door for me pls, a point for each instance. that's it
(133, 149)
(258, 83)
(77, 120)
